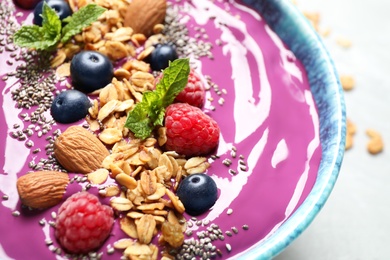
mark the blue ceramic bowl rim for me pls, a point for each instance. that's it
(296, 32)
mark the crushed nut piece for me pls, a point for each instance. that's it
(347, 82)
(375, 145)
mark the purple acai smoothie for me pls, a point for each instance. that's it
(269, 150)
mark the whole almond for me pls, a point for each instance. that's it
(143, 15)
(79, 151)
(42, 189)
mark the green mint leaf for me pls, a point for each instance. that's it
(150, 112)
(159, 120)
(32, 37)
(81, 19)
(40, 38)
(139, 122)
(51, 23)
(175, 76)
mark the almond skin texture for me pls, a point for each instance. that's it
(143, 15)
(79, 151)
(42, 189)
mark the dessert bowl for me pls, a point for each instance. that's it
(282, 148)
(287, 21)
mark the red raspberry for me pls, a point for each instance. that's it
(83, 223)
(194, 92)
(190, 131)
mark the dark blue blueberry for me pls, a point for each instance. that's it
(70, 106)
(198, 193)
(161, 55)
(60, 6)
(91, 70)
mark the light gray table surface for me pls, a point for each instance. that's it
(355, 221)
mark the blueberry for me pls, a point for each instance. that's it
(161, 55)
(91, 70)
(198, 193)
(70, 106)
(60, 6)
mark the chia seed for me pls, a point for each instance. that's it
(241, 162)
(243, 168)
(29, 144)
(214, 157)
(228, 247)
(110, 250)
(235, 230)
(29, 133)
(213, 237)
(227, 162)
(206, 222)
(233, 172)
(216, 231)
(58, 251)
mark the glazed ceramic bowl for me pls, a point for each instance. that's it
(293, 28)
(264, 239)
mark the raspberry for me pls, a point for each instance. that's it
(83, 223)
(190, 131)
(194, 92)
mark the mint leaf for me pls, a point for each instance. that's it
(51, 23)
(81, 19)
(174, 78)
(32, 37)
(40, 38)
(139, 122)
(150, 112)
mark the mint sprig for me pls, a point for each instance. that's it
(150, 112)
(40, 38)
(51, 33)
